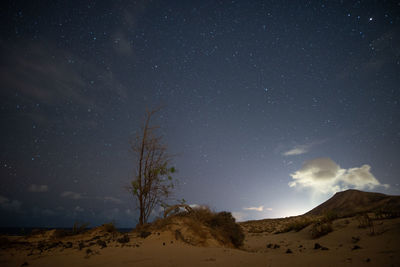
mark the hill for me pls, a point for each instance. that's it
(354, 201)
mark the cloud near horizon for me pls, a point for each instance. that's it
(71, 195)
(259, 208)
(323, 175)
(10, 205)
(38, 188)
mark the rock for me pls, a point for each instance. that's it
(356, 247)
(101, 243)
(25, 264)
(276, 246)
(163, 243)
(355, 239)
(124, 239)
(89, 251)
(81, 245)
(368, 260)
(144, 234)
(68, 245)
(269, 245)
(289, 251)
(318, 246)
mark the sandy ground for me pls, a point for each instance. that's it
(347, 245)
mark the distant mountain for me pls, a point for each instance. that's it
(353, 201)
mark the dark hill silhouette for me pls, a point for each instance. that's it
(354, 201)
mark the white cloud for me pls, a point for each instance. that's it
(38, 188)
(260, 208)
(11, 205)
(323, 175)
(71, 195)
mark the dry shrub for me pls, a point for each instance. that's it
(109, 227)
(320, 229)
(202, 220)
(79, 228)
(296, 225)
(225, 225)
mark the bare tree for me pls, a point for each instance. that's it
(153, 182)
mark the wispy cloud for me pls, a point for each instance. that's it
(9, 205)
(297, 151)
(71, 195)
(323, 175)
(302, 149)
(38, 188)
(259, 208)
(51, 77)
(112, 200)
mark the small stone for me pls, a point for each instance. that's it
(368, 260)
(356, 247)
(81, 245)
(289, 251)
(269, 245)
(163, 243)
(317, 246)
(68, 245)
(276, 246)
(355, 239)
(25, 264)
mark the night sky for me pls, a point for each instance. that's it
(269, 106)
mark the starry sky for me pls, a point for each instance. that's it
(269, 106)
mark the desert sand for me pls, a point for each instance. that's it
(269, 242)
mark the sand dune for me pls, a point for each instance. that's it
(361, 240)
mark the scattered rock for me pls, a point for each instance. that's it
(318, 246)
(269, 245)
(25, 264)
(368, 260)
(101, 243)
(68, 245)
(356, 247)
(355, 239)
(163, 243)
(81, 245)
(144, 234)
(172, 242)
(289, 251)
(124, 239)
(276, 246)
(300, 246)
(91, 244)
